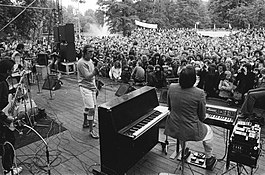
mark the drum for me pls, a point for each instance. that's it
(28, 107)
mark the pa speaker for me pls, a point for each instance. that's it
(42, 59)
(67, 52)
(163, 95)
(124, 89)
(62, 33)
(70, 52)
(69, 32)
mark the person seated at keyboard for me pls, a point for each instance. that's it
(187, 106)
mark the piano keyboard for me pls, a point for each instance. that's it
(220, 118)
(148, 121)
(224, 117)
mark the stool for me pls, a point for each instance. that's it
(184, 157)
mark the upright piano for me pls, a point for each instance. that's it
(128, 129)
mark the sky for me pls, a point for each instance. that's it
(90, 4)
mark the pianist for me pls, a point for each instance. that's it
(187, 111)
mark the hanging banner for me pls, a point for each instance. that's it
(146, 25)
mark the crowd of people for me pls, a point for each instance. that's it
(227, 67)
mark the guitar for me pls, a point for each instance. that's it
(11, 110)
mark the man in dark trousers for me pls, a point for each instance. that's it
(187, 112)
(7, 138)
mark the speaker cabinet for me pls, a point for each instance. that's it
(67, 52)
(124, 89)
(69, 32)
(62, 33)
(42, 59)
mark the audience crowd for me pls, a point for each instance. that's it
(227, 67)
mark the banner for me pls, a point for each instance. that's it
(146, 25)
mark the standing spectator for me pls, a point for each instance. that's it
(226, 86)
(17, 56)
(211, 78)
(86, 73)
(244, 80)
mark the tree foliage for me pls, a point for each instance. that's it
(120, 16)
(239, 13)
(26, 24)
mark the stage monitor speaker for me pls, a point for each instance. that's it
(56, 34)
(163, 96)
(52, 83)
(124, 89)
(69, 33)
(62, 33)
(42, 59)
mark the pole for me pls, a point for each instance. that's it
(79, 35)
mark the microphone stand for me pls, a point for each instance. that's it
(46, 145)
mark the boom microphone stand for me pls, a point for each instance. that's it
(46, 145)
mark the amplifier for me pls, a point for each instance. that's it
(244, 146)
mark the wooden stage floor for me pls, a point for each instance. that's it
(73, 152)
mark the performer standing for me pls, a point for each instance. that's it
(187, 112)
(86, 72)
(6, 135)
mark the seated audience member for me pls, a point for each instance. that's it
(115, 71)
(226, 86)
(187, 112)
(138, 73)
(253, 96)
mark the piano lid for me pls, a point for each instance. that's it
(129, 107)
(126, 97)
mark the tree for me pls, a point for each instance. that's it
(221, 10)
(120, 16)
(27, 23)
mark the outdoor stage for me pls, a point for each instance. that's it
(74, 152)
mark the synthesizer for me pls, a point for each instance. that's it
(221, 116)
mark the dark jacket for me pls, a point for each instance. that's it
(187, 111)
